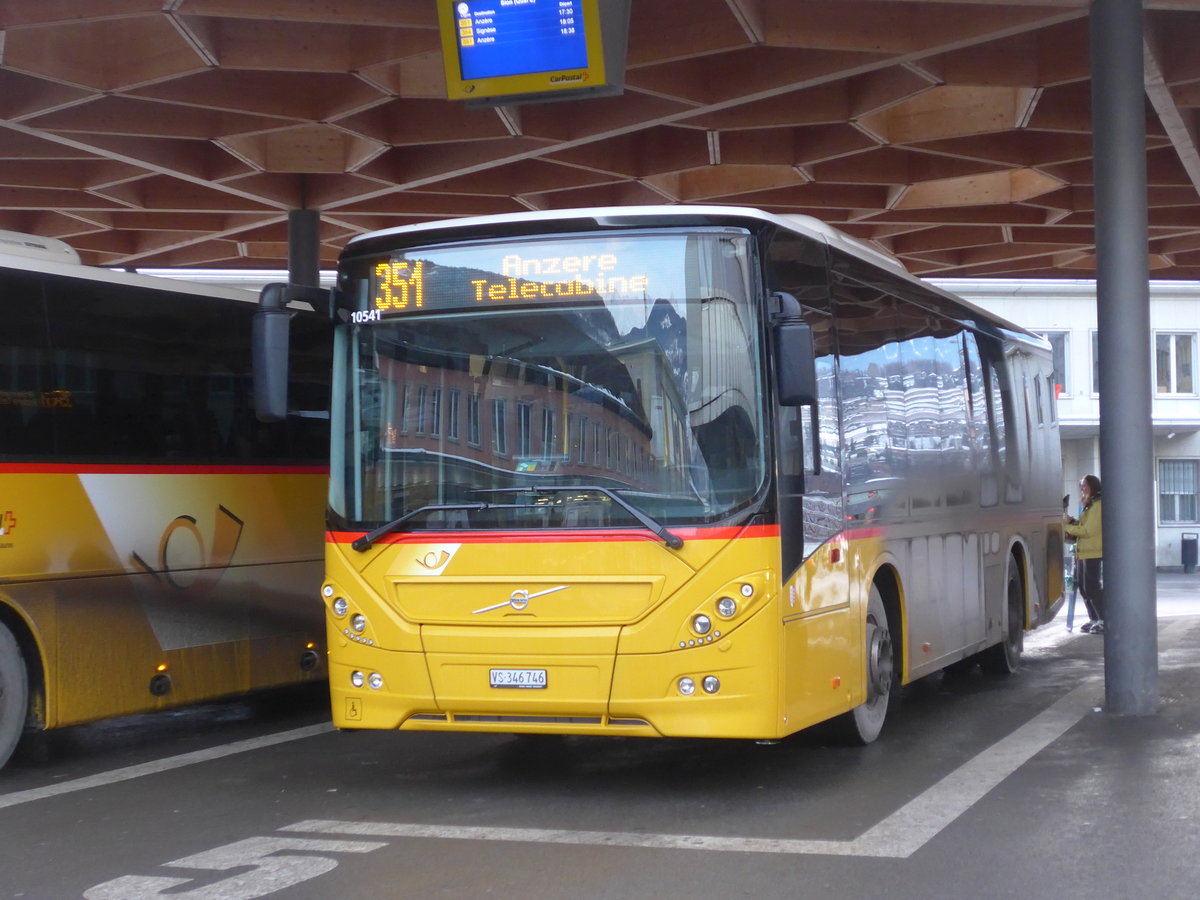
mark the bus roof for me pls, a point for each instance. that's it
(626, 216)
(32, 246)
(54, 262)
(622, 215)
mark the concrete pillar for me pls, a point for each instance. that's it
(304, 247)
(1123, 315)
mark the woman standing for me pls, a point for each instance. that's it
(1089, 552)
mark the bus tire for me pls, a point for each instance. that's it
(1003, 658)
(862, 724)
(14, 694)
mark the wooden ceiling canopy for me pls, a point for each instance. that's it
(955, 134)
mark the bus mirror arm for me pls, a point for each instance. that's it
(816, 450)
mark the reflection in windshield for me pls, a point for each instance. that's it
(653, 398)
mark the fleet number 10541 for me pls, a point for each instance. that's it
(362, 316)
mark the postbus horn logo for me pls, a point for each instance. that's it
(227, 530)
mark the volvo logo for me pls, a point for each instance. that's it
(519, 599)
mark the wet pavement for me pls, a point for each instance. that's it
(982, 787)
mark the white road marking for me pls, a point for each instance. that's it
(898, 836)
(160, 765)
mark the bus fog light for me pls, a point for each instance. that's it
(357, 679)
(687, 687)
(327, 591)
(375, 680)
(340, 606)
(711, 684)
(747, 591)
(702, 624)
(358, 622)
(727, 607)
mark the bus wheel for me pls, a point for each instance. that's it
(863, 723)
(1003, 658)
(14, 694)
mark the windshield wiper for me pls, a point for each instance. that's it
(669, 538)
(365, 542)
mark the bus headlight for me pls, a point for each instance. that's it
(687, 686)
(375, 680)
(726, 607)
(358, 622)
(747, 591)
(701, 624)
(340, 606)
(356, 678)
(711, 684)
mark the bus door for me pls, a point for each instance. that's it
(819, 625)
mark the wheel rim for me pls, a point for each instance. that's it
(880, 666)
(879, 660)
(1016, 623)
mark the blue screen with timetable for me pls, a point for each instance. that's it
(519, 37)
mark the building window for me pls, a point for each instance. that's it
(524, 428)
(1178, 491)
(435, 411)
(473, 437)
(1174, 356)
(1060, 378)
(452, 415)
(548, 426)
(422, 404)
(499, 437)
(406, 409)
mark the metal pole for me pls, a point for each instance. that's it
(1123, 314)
(304, 247)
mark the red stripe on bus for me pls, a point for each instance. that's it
(716, 533)
(154, 469)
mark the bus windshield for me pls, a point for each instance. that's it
(481, 380)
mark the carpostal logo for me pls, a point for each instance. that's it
(569, 78)
(8, 521)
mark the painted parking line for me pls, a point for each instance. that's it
(899, 836)
(153, 767)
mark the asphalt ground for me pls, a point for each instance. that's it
(983, 787)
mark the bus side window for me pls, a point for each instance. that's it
(982, 447)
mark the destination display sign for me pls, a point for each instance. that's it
(529, 275)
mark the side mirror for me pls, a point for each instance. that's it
(269, 339)
(795, 364)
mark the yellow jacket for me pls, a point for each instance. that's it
(1089, 543)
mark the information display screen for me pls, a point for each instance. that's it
(517, 37)
(521, 48)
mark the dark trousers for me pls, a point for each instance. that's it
(1088, 575)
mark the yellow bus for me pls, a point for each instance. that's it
(672, 471)
(158, 545)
